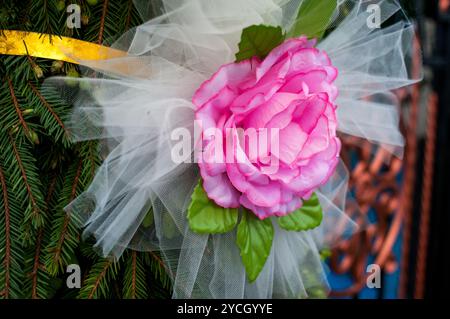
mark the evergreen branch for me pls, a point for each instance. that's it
(133, 274)
(35, 144)
(20, 70)
(86, 249)
(7, 258)
(98, 282)
(49, 109)
(36, 264)
(11, 274)
(45, 16)
(107, 21)
(129, 15)
(35, 209)
(134, 285)
(91, 160)
(17, 107)
(67, 216)
(160, 262)
(98, 279)
(64, 238)
(37, 254)
(102, 22)
(51, 190)
(159, 269)
(25, 181)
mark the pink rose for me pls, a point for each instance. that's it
(292, 91)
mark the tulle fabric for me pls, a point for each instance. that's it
(136, 103)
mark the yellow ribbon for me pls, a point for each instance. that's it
(54, 47)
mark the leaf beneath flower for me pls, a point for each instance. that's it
(259, 40)
(254, 239)
(206, 217)
(309, 216)
(148, 219)
(313, 18)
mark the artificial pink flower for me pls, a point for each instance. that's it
(292, 92)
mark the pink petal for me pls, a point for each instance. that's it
(318, 171)
(283, 174)
(289, 207)
(292, 138)
(220, 190)
(265, 196)
(264, 113)
(244, 103)
(210, 113)
(232, 74)
(308, 113)
(260, 212)
(305, 59)
(318, 140)
(276, 72)
(213, 160)
(282, 119)
(312, 79)
(281, 209)
(276, 54)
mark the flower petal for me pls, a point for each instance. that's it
(220, 190)
(231, 75)
(290, 45)
(264, 113)
(292, 138)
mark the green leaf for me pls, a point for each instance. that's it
(148, 219)
(254, 239)
(313, 18)
(169, 227)
(309, 216)
(206, 217)
(259, 40)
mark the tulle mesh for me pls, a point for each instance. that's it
(134, 103)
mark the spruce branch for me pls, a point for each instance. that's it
(102, 22)
(11, 274)
(159, 269)
(38, 285)
(98, 282)
(129, 14)
(26, 186)
(134, 283)
(37, 237)
(46, 16)
(18, 110)
(6, 265)
(65, 233)
(52, 111)
(30, 178)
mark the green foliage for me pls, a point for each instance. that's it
(10, 242)
(206, 217)
(313, 18)
(42, 170)
(259, 40)
(134, 285)
(99, 280)
(254, 239)
(22, 171)
(46, 16)
(66, 228)
(108, 19)
(309, 216)
(160, 275)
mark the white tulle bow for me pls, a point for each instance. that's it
(136, 108)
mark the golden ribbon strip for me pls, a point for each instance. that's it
(54, 47)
